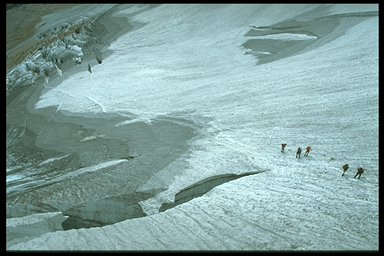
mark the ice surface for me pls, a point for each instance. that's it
(188, 65)
(25, 228)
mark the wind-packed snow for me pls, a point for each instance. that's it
(320, 88)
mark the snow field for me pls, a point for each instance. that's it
(189, 59)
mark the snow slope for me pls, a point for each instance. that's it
(318, 87)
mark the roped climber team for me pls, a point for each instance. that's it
(308, 149)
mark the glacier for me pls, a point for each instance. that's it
(173, 141)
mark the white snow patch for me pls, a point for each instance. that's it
(142, 119)
(264, 53)
(76, 49)
(14, 177)
(51, 160)
(92, 137)
(286, 36)
(93, 168)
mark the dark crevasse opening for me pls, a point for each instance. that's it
(200, 188)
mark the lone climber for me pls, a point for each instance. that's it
(359, 172)
(345, 168)
(298, 152)
(283, 147)
(307, 150)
